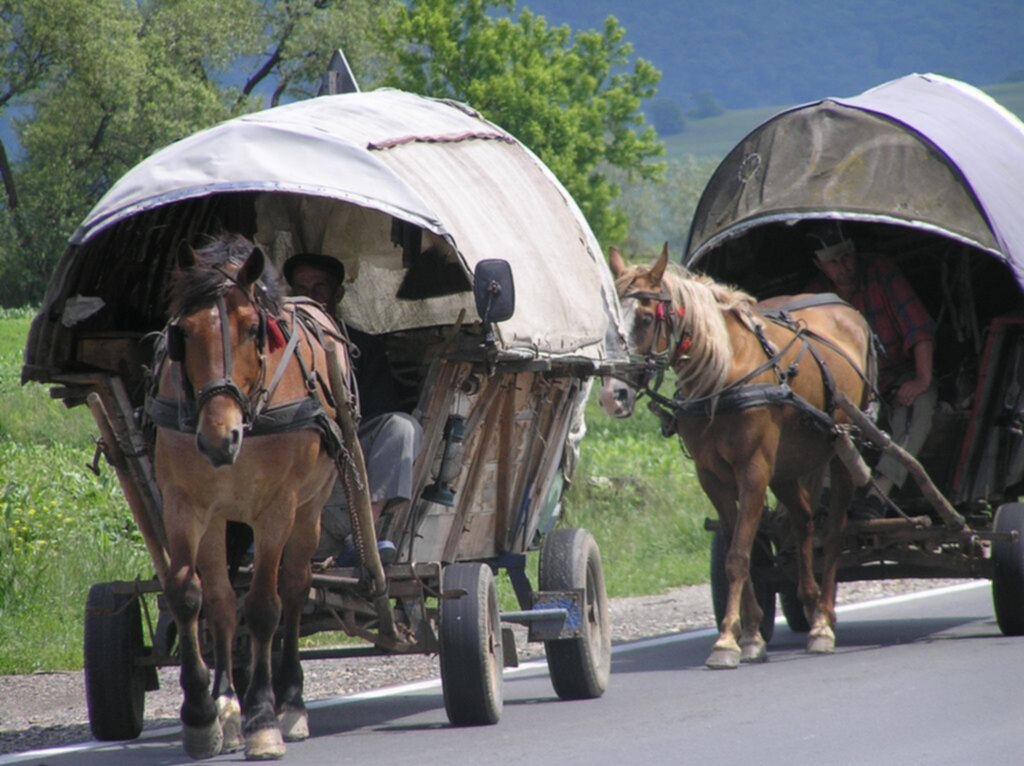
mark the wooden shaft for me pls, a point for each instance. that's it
(881, 440)
(357, 489)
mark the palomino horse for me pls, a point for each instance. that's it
(755, 409)
(243, 435)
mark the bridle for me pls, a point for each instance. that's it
(250, 402)
(668, 326)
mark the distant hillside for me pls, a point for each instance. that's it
(713, 137)
(748, 53)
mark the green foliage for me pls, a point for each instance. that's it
(662, 212)
(573, 99)
(101, 84)
(61, 528)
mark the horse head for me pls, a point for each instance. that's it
(219, 337)
(643, 299)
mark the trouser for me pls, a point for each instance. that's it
(390, 443)
(909, 427)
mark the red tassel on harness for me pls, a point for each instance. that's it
(685, 344)
(275, 338)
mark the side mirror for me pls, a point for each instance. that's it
(494, 290)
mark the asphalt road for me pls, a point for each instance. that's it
(922, 679)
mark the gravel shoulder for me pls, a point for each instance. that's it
(48, 709)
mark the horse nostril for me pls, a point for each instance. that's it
(622, 395)
(236, 437)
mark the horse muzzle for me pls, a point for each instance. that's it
(617, 399)
(220, 451)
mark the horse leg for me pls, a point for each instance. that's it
(796, 498)
(201, 734)
(822, 637)
(296, 575)
(219, 611)
(262, 614)
(727, 650)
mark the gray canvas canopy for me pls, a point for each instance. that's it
(351, 176)
(922, 151)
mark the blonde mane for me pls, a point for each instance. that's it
(706, 367)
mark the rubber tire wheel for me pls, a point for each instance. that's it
(115, 686)
(1008, 571)
(760, 557)
(793, 609)
(579, 667)
(471, 652)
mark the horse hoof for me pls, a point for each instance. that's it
(229, 713)
(754, 651)
(723, 659)
(264, 745)
(821, 644)
(294, 724)
(201, 742)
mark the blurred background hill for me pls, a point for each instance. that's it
(750, 53)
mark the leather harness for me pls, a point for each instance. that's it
(260, 418)
(742, 394)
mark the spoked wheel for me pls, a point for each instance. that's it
(1008, 570)
(471, 655)
(579, 667)
(761, 556)
(115, 685)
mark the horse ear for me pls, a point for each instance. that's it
(615, 261)
(252, 269)
(658, 269)
(186, 256)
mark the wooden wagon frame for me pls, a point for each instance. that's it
(417, 198)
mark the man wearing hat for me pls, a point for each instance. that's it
(875, 286)
(390, 439)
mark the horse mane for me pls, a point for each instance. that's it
(706, 301)
(200, 286)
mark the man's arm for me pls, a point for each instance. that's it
(913, 388)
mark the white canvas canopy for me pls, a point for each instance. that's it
(334, 174)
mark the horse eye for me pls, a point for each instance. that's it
(646, 320)
(252, 331)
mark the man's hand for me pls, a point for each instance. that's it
(909, 391)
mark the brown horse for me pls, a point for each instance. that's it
(229, 361)
(755, 409)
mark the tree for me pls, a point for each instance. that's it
(101, 84)
(573, 99)
(667, 116)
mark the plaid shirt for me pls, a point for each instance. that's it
(895, 313)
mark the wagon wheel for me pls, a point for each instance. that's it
(793, 608)
(579, 667)
(115, 686)
(1008, 571)
(471, 654)
(760, 556)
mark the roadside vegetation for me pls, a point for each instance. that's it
(62, 528)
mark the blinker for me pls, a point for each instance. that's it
(175, 343)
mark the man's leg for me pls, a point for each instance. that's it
(910, 428)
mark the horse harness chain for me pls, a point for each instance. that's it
(742, 394)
